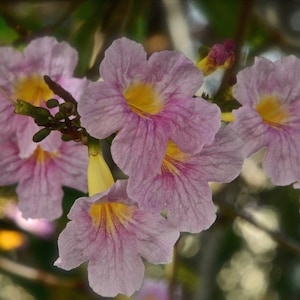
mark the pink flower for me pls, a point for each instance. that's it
(110, 232)
(148, 102)
(270, 115)
(181, 185)
(39, 227)
(152, 289)
(40, 177)
(21, 77)
(219, 56)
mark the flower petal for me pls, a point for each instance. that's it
(223, 159)
(282, 159)
(155, 237)
(61, 58)
(140, 146)
(120, 60)
(250, 129)
(72, 164)
(186, 196)
(255, 81)
(102, 110)
(190, 207)
(117, 268)
(71, 247)
(192, 133)
(9, 163)
(173, 74)
(39, 190)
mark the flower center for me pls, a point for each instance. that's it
(110, 215)
(143, 99)
(41, 155)
(173, 159)
(272, 111)
(32, 89)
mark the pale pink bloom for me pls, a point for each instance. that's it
(181, 186)
(42, 175)
(147, 102)
(153, 290)
(270, 115)
(39, 227)
(21, 77)
(110, 232)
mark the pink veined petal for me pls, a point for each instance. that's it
(192, 133)
(72, 163)
(250, 128)
(39, 190)
(61, 58)
(6, 116)
(282, 158)
(117, 268)
(9, 163)
(191, 209)
(102, 110)
(139, 147)
(155, 237)
(255, 81)
(223, 159)
(287, 70)
(72, 247)
(11, 63)
(26, 132)
(121, 58)
(173, 74)
(186, 196)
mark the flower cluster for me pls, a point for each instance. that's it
(39, 169)
(270, 116)
(169, 143)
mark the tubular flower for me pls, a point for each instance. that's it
(148, 102)
(219, 56)
(270, 115)
(21, 77)
(40, 177)
(181, 186)
(110, 232)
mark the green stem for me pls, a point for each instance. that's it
(173, 279)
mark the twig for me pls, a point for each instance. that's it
(173, 279)
(59, 90)
(246, 13)
(280, 238)
(36, 275)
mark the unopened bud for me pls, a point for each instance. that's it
(52, 103)
(41, 134)
(59, 116)
(66, 137)
(67, 108)
(25, 108)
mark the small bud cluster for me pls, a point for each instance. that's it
(66, 119)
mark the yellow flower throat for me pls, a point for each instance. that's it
(143, 99)
(32, 89)
(272, 111)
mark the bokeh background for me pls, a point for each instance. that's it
(252, 251)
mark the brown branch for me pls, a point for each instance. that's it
(280, 238)
(59, 90)
(173, 279)
(245, 17)
(32, 274)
